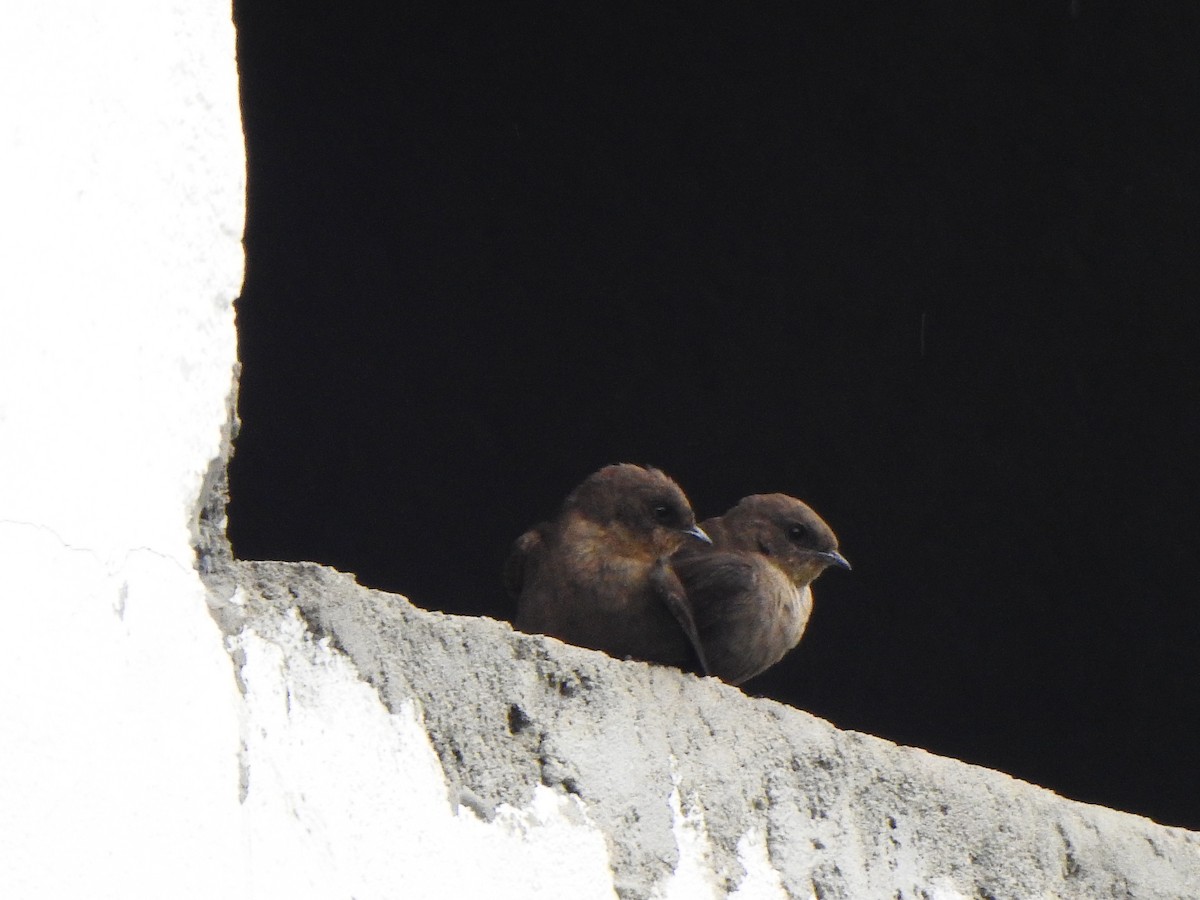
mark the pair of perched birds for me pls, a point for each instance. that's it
(626, 569)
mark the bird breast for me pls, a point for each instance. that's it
(609, 559)
(790, 608)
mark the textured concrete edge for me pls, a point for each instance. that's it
(647, 748)
(214, 555)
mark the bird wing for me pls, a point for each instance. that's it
(721, 590)
(667, 586)
(521, 565)
(712, 578)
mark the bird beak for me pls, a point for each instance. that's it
(697, 532)
(835, 559)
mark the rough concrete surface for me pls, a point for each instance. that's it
(665, 762)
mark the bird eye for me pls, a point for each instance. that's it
(664, 513)
(797, 532)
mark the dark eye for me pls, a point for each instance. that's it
(797, 532)
(664, 514)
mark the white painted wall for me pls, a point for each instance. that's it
(121, 211)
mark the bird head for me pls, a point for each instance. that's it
(640, 500)
(787, 531)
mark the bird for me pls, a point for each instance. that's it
(599, 575)
(749, 591)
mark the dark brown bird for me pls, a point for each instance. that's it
(749, 592)
(600, 576)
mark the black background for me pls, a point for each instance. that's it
(931, 266)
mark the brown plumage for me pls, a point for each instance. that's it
(599, 575)
(749, 592)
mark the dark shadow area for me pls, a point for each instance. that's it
(931, 267)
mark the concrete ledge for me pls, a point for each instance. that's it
(690, 787)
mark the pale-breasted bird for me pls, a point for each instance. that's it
(750, 590)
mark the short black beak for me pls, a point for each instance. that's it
(835, 559)
(697, 532)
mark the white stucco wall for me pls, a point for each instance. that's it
(121, 211)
